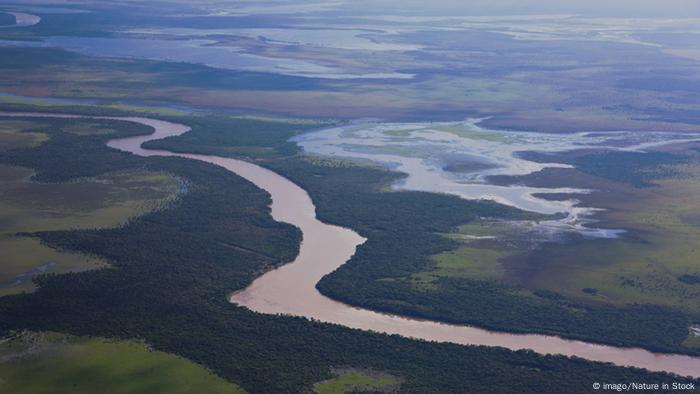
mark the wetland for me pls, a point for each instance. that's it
(291, 289)
(558, 216)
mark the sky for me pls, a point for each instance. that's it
(610, 8)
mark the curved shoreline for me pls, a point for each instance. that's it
(291, 290)
(424, 150)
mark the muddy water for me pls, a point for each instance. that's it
(291, 288)
(425, 152)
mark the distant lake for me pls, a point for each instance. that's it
(197, 51)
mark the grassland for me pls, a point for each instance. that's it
(25, 257)
(649, 264)
(438, 94)
(17, 134)
(171, 274)
(43, 363)
(172, 269)
(464, 132)
(99, 202)
(354, 381)
(471, 277)
(26, 206)
(103, 201)
(481, 248)
(654, 263)
(475, 263)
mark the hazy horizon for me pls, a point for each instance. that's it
(615, 8)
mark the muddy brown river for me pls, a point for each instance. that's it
(291, 289)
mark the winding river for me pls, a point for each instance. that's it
(291, 289)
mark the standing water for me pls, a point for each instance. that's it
(291, 289)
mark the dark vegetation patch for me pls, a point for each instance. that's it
(62, 157)
(102, 21)
(6, 19)
(42, 63)
(690, 279)
(69, 24)
(692, 219)
(204, 77)
(503, 308)
(403, 229)
(639, 169)
(670, 115)
(460, 165)
(661, 84)
(225, 136)
(171, 275)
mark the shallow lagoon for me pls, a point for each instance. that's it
(197, 51)
(349, 39)
(291, 289)
(459, 157)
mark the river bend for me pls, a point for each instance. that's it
(291, 289)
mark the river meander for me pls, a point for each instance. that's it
(291, 289)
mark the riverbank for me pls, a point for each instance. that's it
(319, 256)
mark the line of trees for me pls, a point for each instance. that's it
(171, 273)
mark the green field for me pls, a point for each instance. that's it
(26, 206)
(172, 269)
(17, 134)
(104, 201)
(467, 262)
(654, 263)
(24, 257)
(38, 363)
(353, 381)
(478, 255)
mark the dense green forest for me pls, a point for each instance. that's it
(172, 270)
(402, 234)
(62, 157)
(248, 137)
